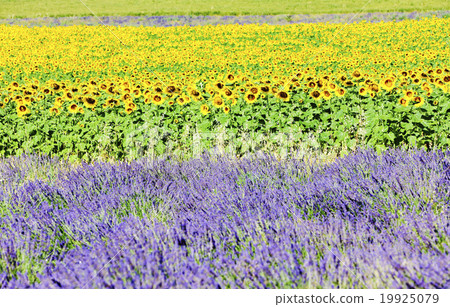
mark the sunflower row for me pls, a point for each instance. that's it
(415, 87)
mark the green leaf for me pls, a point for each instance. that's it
(407, 126)
(390, 136)
(412, 140)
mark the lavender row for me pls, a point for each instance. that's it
(363, 221)
(170, 21)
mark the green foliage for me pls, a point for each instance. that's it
(340, 124)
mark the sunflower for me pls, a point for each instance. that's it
(54, 111)
(420, 101)
(158, 89)
(28, 100)
(265, 89)
(183, 99)
(89, 102)
(111, 90)
(22, 110)
(55, 86)
(348, 83)
(204, 109)
(73, 108)
(316, 95)
(241, 90)
(186, 99)
(137, 93)
(194, 93)
(230, 77)
(157, 100)
(428, 90)
(403, 101)
(68, 95)
(218, 85)
(218, 101)
(283, 95)
(363, 91)
(326, 95)
(356, 75)
(311, 84)
(388, 84)
(254, 90)
(126, 97)
(80, 110)
(226, 109)
(180, 100)
(374, 88)
(249, 97)
(111, 102)
(409, 94)
(227, 92)
(170, 89)
(130, 105)
(128, 110)
(59, 101)
(340, 92)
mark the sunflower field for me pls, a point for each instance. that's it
(84, 91)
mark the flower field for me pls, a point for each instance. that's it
(364, 221)
(78, 92)
(188, 152)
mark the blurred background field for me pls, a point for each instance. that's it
(30, 8)
(202, 20)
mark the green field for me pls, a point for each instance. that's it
(32, 8)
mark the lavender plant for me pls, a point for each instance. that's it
(367, 220)
(201, 20)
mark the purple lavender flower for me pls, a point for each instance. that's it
(216, 222)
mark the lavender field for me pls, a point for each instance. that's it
(363, 221)
(202, 20)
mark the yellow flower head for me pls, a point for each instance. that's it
(204, 109)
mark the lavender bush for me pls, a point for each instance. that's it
(171, 21)
(363, 221)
